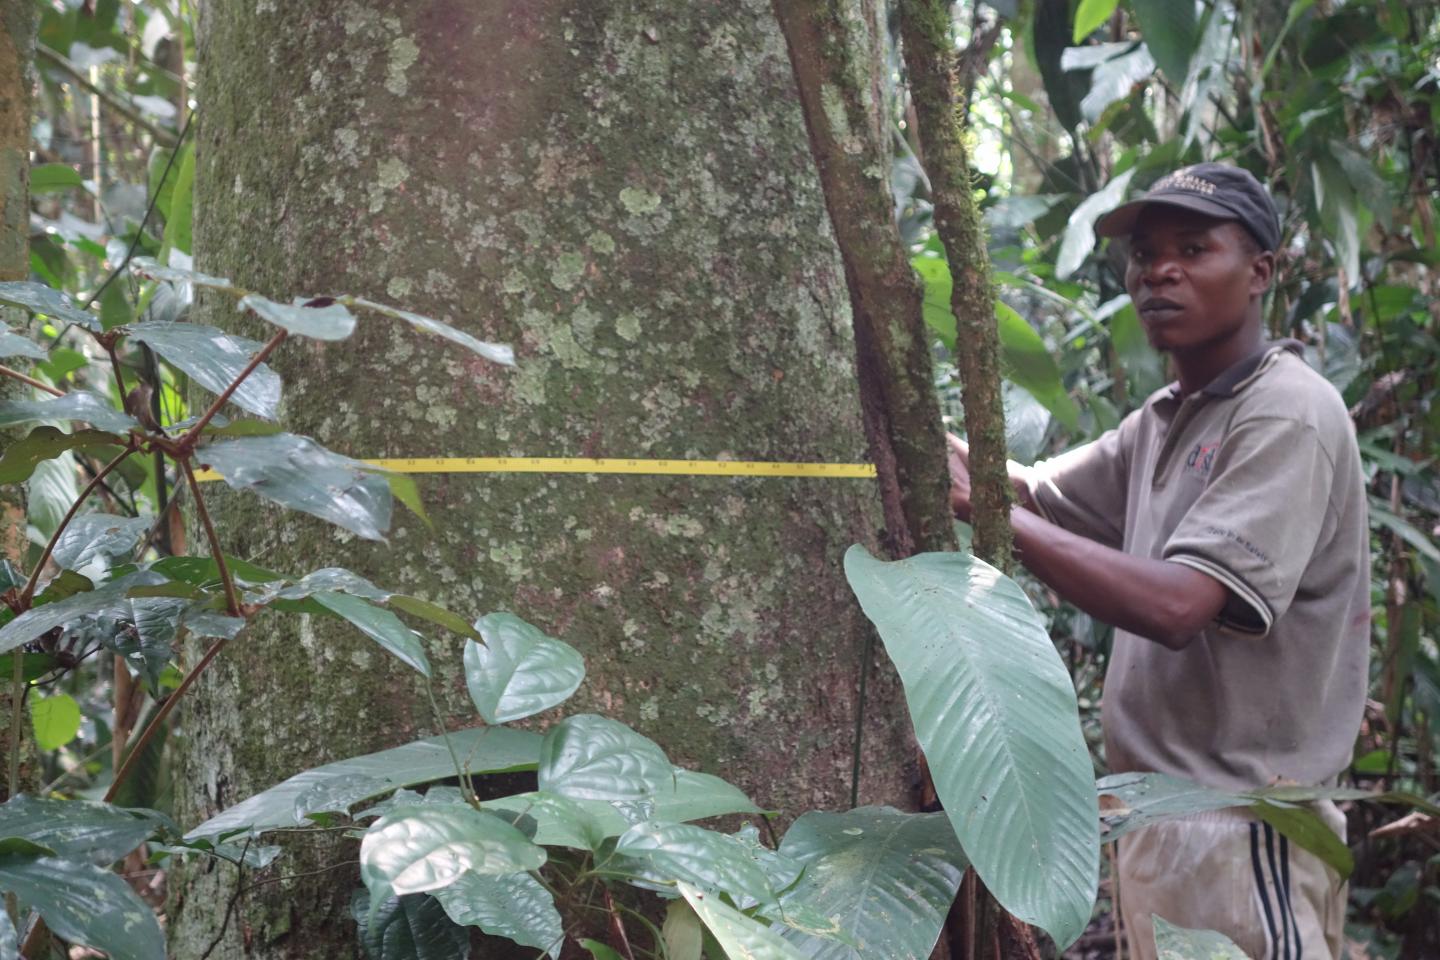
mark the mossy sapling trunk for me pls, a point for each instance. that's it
(836, 51)
(929, 53)
(623, 191)
(17, 40)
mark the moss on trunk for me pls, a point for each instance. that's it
(622, 190)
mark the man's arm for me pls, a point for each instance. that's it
(1166, 602)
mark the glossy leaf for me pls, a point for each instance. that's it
(599, 951)
(495, 352)
(483, 750)
(14, 345)
(214, 359)
(518, 671)
(93, 535)
(75, 829)
(43, 443)
(409, 928)
(182, 204)
(1305, 828)
(9, 941)
(592, 757)
(1080, 231)
(427, 847)
(689, 795)
(332, 580)
(56, 720)
(78, 405)
(325, 320)
(995, 712)
(560, 821)
(434, 613)
(298, 473)
(682, 851)
(41, 619)
(148, 267)
(1029, 365)
(1140, 799)
(514, 906)
(38, 298)
(53, 178)
(738, 935)
(85, 905)
(1178, 943)
(683, 933)
(380, 625)
(885, 878)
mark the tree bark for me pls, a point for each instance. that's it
(929, 55)
(836, 51)
(621, 189)
(17, 44)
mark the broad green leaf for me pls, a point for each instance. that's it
(41, 619)
(146, 637)
(214, 359)
(683, 933)
(404, 489)
(50, 492)
(435, 614)
(298, 473)
(412, 927)
(495, 352)
(592, 757)
(20, 459)
(1029, 365)
(518, 671)
(9, 942)
(681, 851)
(885, 878)
(514, 906)
(1178, 943)
(738, 935)
(318, 318)
(202, 572)
(427, 847)
(332, 580)
(1114, 74)
(86, 905)
(598, 950)
(38, 298)
(689, 795)
(240, 428)
(1171, 32)
(1303, 826)
(1140, 799)
(79, 405)
(56, 719)
(14, 345)
(93, 535)
(53, 178)
(995, 712)
(33, 665)
(182, 202)
(1090, 15)
(560, 821)
(483, 750)
(1380, 515)
(380, 625)
(147, 267)
(1080, 231)
(75, 829)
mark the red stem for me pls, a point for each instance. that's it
(17, 375)
(193, 434)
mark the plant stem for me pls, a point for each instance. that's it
(17, 716)
(149, 733)
(467, 787)
(232, 599)
(193, 433)
(30, 585)
(17, 375)
(121, 106)
(617, 926)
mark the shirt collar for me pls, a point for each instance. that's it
(1239, 375)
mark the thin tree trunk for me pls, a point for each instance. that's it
(929, 59)
(621, 189)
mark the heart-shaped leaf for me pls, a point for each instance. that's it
(592, 757)
(518, 671)
(514, 906)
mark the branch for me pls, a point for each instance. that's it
(114, 101)
(232, 599)
(29, 592)
(17, 375)
(929, 60)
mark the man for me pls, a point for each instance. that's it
(1221, 529)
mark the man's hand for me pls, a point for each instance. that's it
(959, 462)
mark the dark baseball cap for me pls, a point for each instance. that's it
(1216, 189)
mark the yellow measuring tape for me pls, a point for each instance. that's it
(697, 468)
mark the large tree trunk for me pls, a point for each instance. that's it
(17, 41)
(622, 189)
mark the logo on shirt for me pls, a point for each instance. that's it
(1202, 458)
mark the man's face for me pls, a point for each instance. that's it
(1193, 277)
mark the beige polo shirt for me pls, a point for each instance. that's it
(1256, 481)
